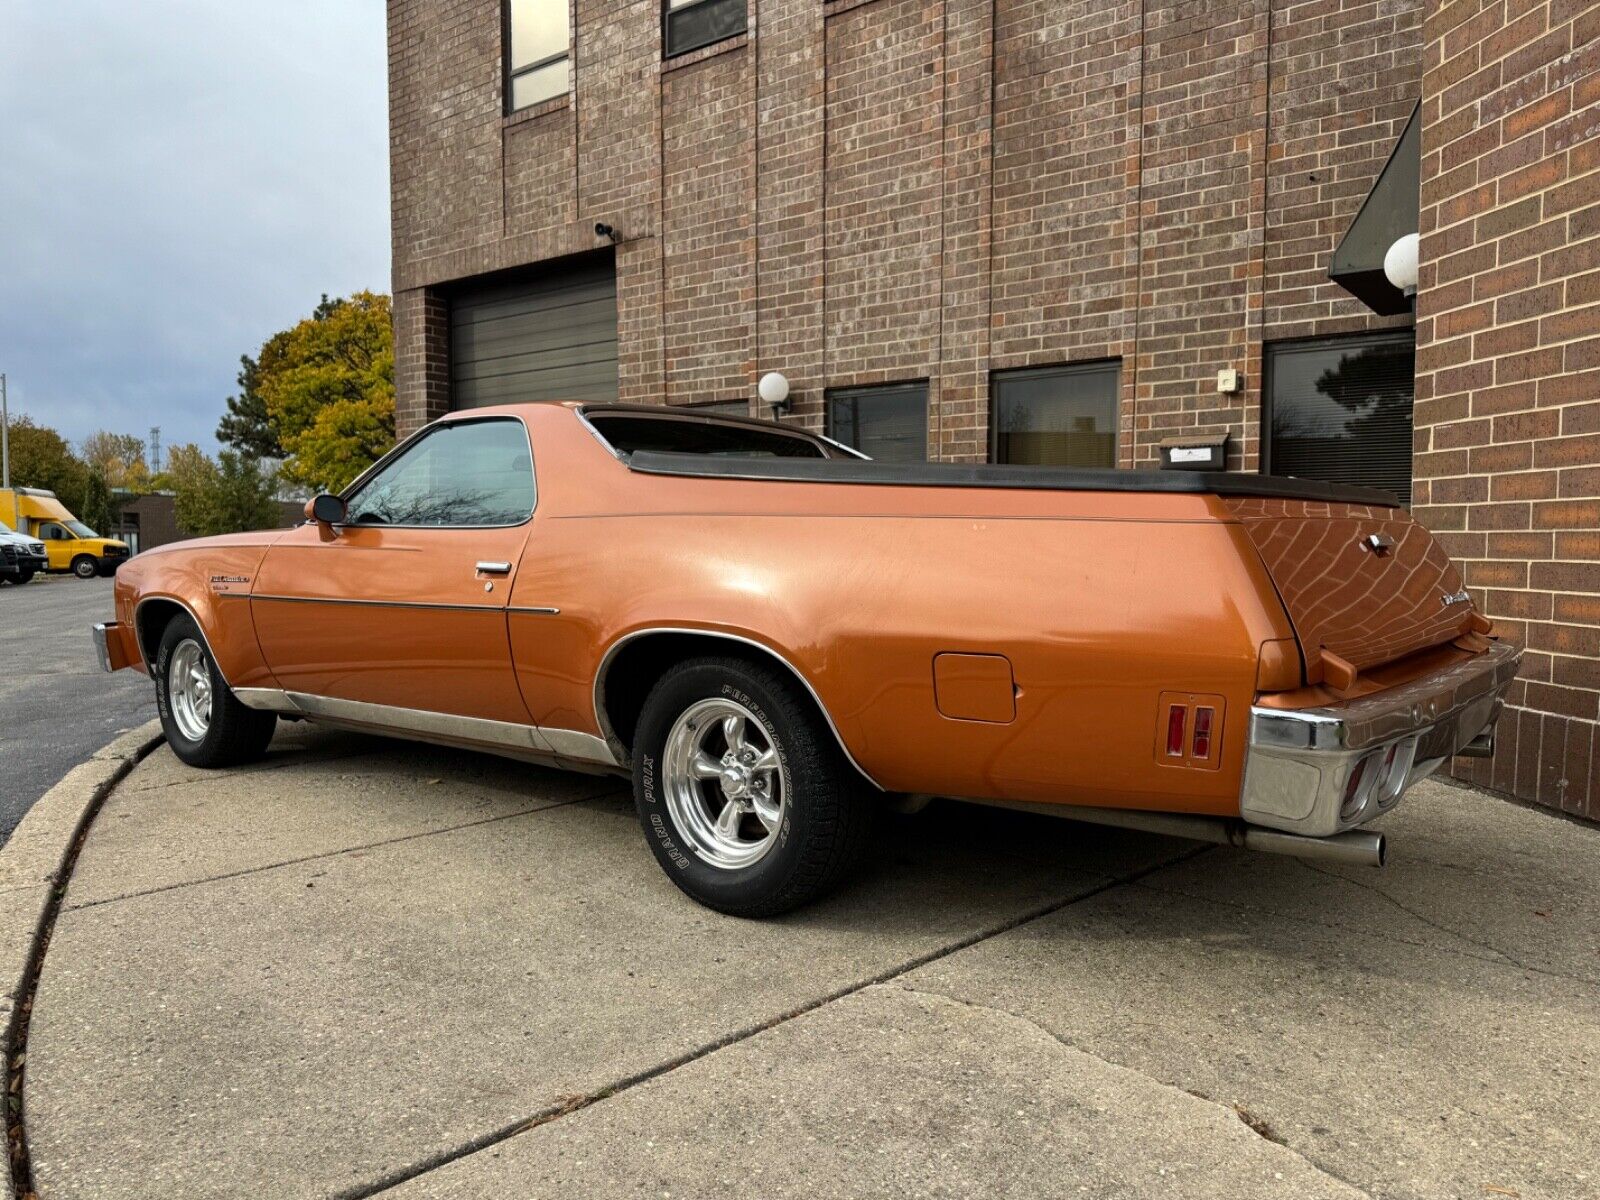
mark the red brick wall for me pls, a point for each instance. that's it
(708, 209)
(1066, 186)
(1343, 82)
(882, 212)
(871, 190)
(1508, 362)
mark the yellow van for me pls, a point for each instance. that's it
(69, 544)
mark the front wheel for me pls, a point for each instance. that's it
(745, 798)
(205, 724)
(85, 567)
(25, 577)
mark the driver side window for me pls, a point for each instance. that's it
(53, 533)
(462, 474)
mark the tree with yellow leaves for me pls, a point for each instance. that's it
(321, 392)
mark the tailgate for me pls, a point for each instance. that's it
(1367, 605)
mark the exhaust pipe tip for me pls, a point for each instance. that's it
(1481, 746)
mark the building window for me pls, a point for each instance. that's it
(1340, 409)
(888, 423)
(537, 52)
(689, 24)
(1062, 416)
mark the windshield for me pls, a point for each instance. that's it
(79, 528)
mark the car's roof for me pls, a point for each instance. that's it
(602, 407)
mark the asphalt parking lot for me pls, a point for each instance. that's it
(56, 706)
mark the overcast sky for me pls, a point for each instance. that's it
(179, 180)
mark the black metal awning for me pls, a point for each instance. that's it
(1389, 212)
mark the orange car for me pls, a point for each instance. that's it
(771, 635)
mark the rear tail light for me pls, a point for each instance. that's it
(1177, 715)
(1202, 732)
(1189, 730)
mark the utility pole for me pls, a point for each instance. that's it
(5, 437)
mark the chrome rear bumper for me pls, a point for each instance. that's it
(1319, 771)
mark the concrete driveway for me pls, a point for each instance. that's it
(367, 967)
(58, 706)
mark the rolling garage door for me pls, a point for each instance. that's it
(553, 337)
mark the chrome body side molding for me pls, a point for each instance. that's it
(614, 743)
(552, 747)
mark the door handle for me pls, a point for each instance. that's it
(494, 568)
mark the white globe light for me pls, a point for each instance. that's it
(1400, 264)
(773, 388)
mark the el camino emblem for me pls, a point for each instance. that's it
(225, 585)
(1450, 598)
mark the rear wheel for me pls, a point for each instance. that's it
(745, 798)
(85, 567)
(205, 724)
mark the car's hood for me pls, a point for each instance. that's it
(262, 538)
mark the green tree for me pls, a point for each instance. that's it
(41, 458)
(228, 494)
(247, 426)
(327, 388)
(97, 508)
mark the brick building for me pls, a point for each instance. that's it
(1037, 230)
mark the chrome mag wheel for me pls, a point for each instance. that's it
(189, 690)
(724, 783)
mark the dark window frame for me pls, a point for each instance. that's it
(865, 390)
(668, 50)
(508, 75)
(717, 408)
(1086, 366)
(1404, 335)
(598, 420)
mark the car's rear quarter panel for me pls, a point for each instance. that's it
(1100, 602)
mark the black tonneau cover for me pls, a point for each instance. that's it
(1066, 479)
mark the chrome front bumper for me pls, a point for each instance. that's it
(1319, 771)
(108, 652)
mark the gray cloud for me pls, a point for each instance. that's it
(177, 182)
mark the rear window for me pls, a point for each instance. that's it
(630, 432)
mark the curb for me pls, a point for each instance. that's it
(33, 875)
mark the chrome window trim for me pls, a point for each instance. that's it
(433, 427)
(848, 451)
(615, 743)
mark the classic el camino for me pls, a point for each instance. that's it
(775, 637)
